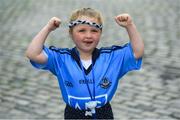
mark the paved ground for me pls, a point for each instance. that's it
(151, 93)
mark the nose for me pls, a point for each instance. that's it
(88, 34)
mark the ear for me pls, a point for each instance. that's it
(70, 33)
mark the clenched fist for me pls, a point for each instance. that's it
(53, 23)
(124, 20)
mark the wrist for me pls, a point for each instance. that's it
(47, 28)
(130, 26)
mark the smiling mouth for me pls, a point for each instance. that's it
(88, 42)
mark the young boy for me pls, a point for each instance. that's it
(87, 76)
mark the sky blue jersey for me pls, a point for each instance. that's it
(79, 85)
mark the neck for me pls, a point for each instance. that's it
(85, 56)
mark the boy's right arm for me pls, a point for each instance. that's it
(35, 49)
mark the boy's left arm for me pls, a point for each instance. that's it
(137, 43)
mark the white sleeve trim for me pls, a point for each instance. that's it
(45, 54)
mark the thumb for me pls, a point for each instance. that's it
(117, 20)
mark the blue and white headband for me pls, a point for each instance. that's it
(77, 22)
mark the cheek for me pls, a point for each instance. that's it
(76, 39)
(97, 37)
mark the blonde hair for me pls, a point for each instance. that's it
(89, 12)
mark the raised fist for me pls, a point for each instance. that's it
(53, 23)
(123, 20)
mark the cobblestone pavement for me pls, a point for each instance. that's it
(151, 93)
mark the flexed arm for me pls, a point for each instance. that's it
(137, 43)
(35, 48)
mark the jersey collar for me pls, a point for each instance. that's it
(75, 56)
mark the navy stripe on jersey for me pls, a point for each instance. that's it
(74, 53)
(111, 49)
(61, 50)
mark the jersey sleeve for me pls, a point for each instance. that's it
(129, 62)
(49, 65)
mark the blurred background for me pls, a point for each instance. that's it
(151, 93)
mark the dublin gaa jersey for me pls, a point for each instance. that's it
(99, 82)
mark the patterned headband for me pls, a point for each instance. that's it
(77, 22)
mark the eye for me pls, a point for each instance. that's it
(94, 30)
(81, 30)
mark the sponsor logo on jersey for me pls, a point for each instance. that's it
(68, 84)
(88, 81)
(81, 102)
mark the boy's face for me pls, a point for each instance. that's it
(86, 37)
